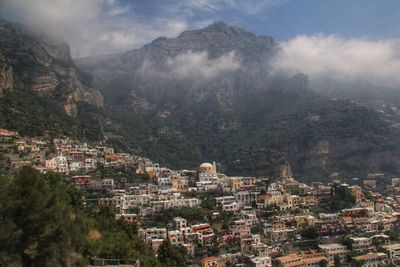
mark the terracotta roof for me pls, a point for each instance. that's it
(370, 256)
(208, 259)
(316, 259)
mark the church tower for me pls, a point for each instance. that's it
(215, 167)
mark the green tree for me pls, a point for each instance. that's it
(342, 198)
(33, 206)
(323, 263)
(9, 232)
(169, 255)
(213, 248)
(310, 232)
(208, 203)
(337, 261)
(44, 223)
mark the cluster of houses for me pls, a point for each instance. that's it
(355, 236)
(67, 156)
(76, 157)
(22, 151)
(205, 179)
(148, 203)
(191, 236)
(267, 222)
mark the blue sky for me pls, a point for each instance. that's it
(285, 19)
(108, 26)
(351, 18)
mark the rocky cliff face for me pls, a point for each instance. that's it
(37, 63)
(6, 75)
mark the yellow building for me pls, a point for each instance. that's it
(180, 184)
(293, 201)
(235, 183)
(278, 224)
(305, 220)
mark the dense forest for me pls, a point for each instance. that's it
(33, 115)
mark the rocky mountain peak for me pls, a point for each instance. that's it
(219, 25)
(216, 39)
(223, 28)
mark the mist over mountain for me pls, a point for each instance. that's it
(216, 94)
(356, 69)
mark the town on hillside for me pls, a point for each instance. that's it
(221, 220)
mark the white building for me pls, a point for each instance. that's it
(164, 181)
(231, 207)
(62, 164)
(246, 197)
(393, 251)
(361, 244)
(75, 166)
(107, 183)
(208, 177)
(264, 261)
(333, 250)
(176, 237)
(153, 234)
(180, 222)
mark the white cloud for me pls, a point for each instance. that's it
(198, 64)
(132, 34)
(203, 4)
(92, 26)
(195, 65)
(118, 10)
(343, 60)
(249, 7)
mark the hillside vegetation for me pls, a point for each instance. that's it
(44, 222)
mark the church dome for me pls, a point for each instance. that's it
(206, 165)
(206, 168)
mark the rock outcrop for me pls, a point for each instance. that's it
(31, 61)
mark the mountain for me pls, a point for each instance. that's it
(206, 95)
(211, 94)
(41, 90)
